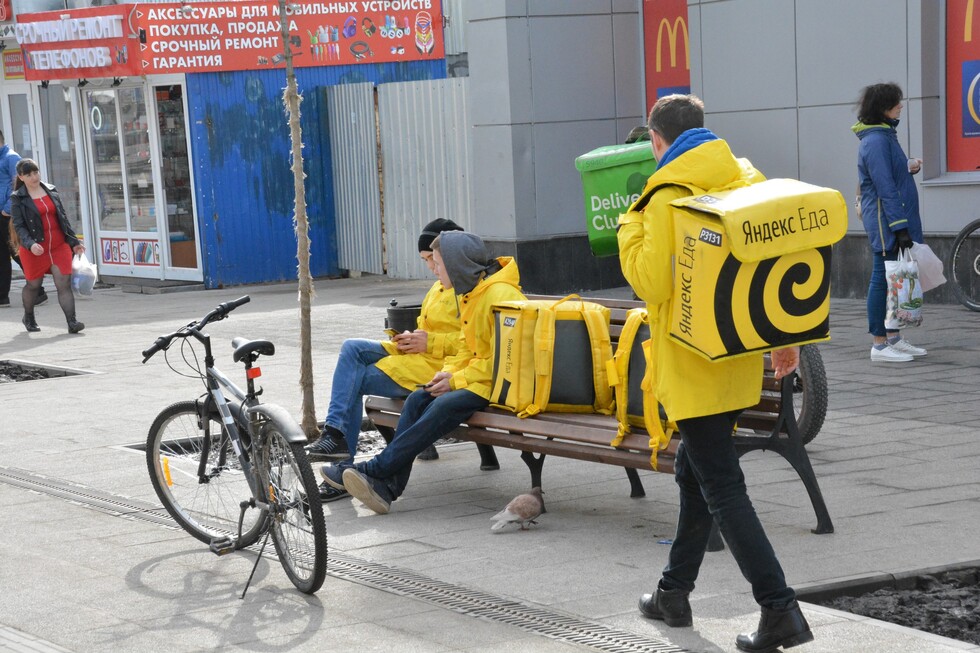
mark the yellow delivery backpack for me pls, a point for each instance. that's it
(752, 267)
(552, 356)
(631, 376)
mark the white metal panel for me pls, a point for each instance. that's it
(425, 145)
(357, 198)
(454, 33)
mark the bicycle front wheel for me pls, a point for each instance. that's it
(964, 266)
(295, 514)
(198, 477)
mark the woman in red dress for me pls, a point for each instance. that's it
(47, 241)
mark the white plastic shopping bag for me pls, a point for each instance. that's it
(83, 276)
(930, 267)
(903, 306)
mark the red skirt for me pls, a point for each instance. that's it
(36, 267)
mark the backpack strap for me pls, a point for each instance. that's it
(601, 345)
(618, 371)
(544, 354)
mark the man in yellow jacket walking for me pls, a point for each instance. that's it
(459, 389)
(703, 397)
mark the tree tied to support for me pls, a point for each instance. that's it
(291, 100)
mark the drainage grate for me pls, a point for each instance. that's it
(463, 600)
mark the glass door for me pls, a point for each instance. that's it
(175, 175)
(58, 162)
(122, 182)
(20, 138)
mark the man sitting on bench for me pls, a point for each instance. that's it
(461, 388)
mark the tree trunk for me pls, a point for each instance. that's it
(292, 99)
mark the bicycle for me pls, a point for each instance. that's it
(963, 266)
(231, 471)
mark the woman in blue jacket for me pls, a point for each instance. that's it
(889, 208)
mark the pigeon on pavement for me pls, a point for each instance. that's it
(522, 509)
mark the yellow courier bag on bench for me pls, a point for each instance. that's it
(752, 267)
(551, 356)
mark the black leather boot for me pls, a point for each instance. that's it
(777, 628)
(669, 606)
(30, 323)
(74, 326)
(429, 453)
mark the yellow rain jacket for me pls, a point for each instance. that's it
(440, 321)
(472, 367)
(685, 383)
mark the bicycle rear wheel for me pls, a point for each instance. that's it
(810, 393)
(296, 516)
(204, 497)
(964, 266)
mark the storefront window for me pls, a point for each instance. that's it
(20, 121)
(176, 175)
(138, 170)
(59, 145)
(110, 201)
(121, 158)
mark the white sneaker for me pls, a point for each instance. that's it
(907, 347)
(889, 355)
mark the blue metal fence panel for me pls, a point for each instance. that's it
(241, 158)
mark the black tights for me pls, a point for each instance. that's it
(65, 297)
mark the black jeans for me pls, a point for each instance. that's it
(712, 487)
(5, 257)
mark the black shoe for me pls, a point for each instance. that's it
(5, 302)
(328, 493)
(777, 628)
(74, 326)
(670, 606)
(328, 448)
(41, 297)
(430, 453)
(30, 323)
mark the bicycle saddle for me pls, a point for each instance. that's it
(245, 347)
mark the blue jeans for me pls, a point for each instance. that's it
(878, 294)
(424, 419)
(712, 488)
(357, 375)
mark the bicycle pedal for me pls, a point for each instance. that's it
(222, 545)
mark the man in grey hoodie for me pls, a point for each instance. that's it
(461, 388)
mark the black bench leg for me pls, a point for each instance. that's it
(636, 486)
(387, 433)
(797, 457)
(534, 464)
(793, 451)
(488, 458)
(715, 543)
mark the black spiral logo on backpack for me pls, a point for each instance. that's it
(789, 304)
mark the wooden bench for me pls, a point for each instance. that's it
(770, 425)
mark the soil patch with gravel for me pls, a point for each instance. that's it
(946, 604)
(12, 372)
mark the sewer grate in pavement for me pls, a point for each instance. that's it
(13, 371)
(463, 600)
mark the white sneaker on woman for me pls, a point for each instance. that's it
(907, 347)
(888, 354)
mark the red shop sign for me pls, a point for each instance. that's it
(91, 42)
(246, 35)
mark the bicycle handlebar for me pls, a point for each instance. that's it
(219, 313)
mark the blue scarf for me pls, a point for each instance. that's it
(688, 140)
